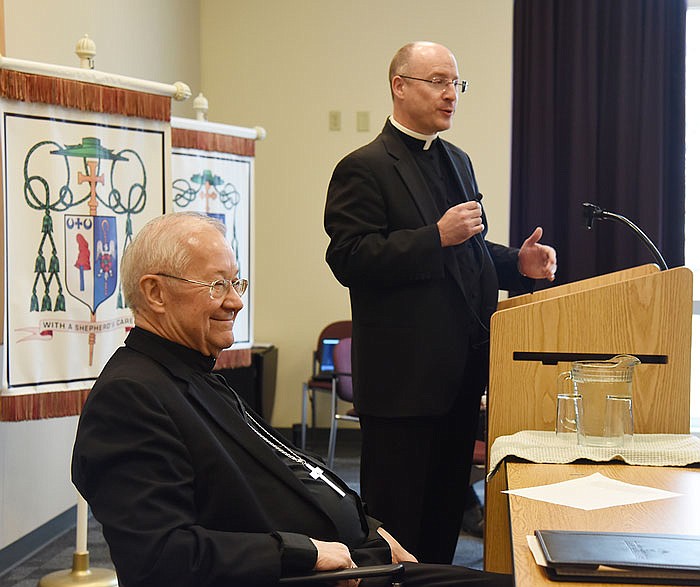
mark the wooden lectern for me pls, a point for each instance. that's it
(640, 311)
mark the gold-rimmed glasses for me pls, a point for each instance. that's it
(217, 288)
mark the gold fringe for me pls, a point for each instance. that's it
(209, 141)
(29, 87)
(56, 404)
(234, 358)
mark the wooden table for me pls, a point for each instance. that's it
(677, 515)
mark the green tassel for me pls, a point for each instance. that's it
(34, 303)
(40, 264)
(129, 230)
(60, 303)
(54, 264)
(46, 303)
(120, 303)
(47, 224)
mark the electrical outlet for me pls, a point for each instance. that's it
(334, 120)
(363, 121)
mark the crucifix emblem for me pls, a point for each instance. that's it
(92, 179)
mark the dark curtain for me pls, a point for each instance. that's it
(599, 116)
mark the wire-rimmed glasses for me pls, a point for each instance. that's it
(217, 288)
(460, 85)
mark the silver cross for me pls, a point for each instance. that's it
(317, 473)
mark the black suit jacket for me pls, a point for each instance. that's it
(186, 492)
(414, 321)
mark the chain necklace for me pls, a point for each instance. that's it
(270, 440)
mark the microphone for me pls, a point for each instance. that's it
(593, 212)
(479, 197)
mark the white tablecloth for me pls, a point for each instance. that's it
(662, 450)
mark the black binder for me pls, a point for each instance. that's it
(621, 557)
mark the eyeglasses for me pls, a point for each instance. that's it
(444, 84)
(217, 288)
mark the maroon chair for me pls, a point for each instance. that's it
(340, 389)
(321, 379)
(478, 471)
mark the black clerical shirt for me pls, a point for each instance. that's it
(437, 171)
(186, 492)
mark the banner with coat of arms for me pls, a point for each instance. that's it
(77, 186)
(212, 173)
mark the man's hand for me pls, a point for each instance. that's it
(460, 223)
(535, 260)
(398, 553)
(332, 556)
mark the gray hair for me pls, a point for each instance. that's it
(161, 247)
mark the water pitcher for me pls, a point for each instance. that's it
(605, 410)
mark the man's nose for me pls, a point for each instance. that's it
(233, 300)
(450, 92)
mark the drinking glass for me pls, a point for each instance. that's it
(567, 415)
(619, 422)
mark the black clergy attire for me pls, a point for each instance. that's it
(420, 316)
(189, 493)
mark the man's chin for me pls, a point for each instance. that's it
(219, 346)
(227, 344)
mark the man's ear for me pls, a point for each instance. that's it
(154, 295)
(397, 86)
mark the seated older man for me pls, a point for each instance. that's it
(191, 487)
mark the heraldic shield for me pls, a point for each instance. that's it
(91, 258)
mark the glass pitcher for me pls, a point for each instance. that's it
(605, 387)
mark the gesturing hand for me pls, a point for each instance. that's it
(536, 260)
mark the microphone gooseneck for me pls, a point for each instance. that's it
(593, 212)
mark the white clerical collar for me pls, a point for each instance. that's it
(416, 135)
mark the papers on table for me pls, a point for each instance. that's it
(593, 492)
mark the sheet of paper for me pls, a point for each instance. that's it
(593, 492)
(536, 550)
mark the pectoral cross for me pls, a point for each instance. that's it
(317, 473)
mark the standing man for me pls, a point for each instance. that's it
(193, 489)
(408, 238)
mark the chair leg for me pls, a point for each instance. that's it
(334, 427)
(312, 397)
(304, 397)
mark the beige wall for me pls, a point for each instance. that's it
(284, 65)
